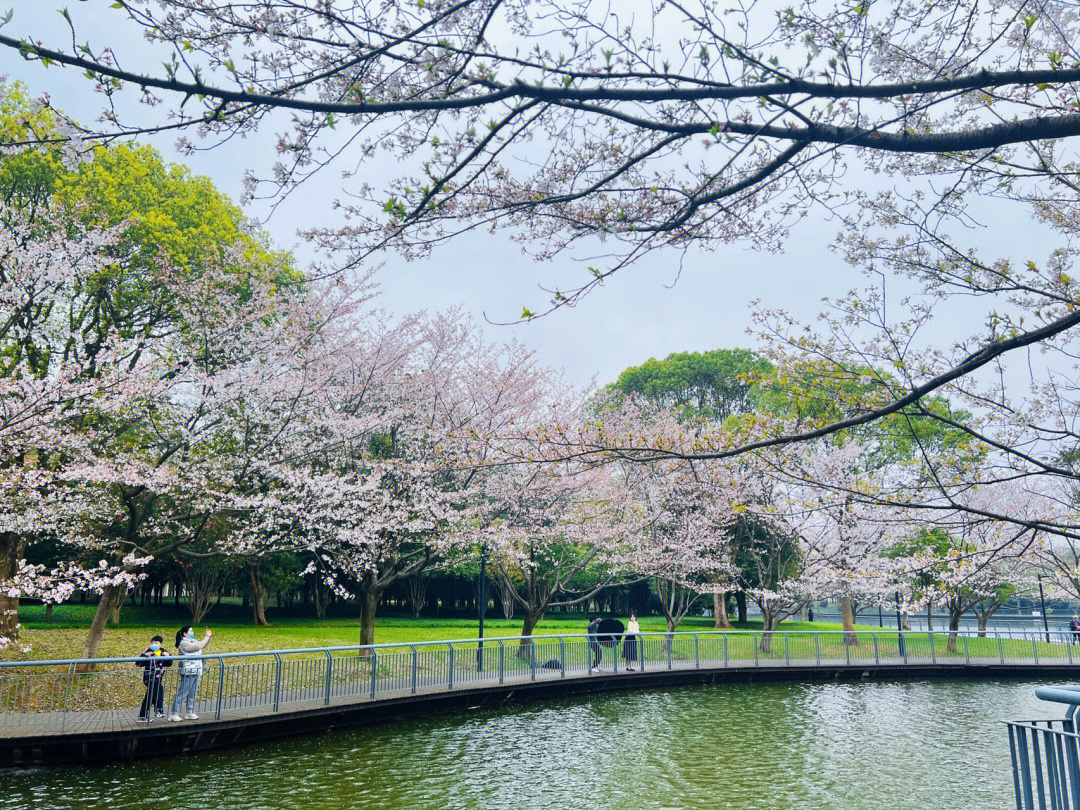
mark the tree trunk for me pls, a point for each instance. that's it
(367, 618)
(847, 617)
(982, 618)
(48, 611)
(720, 620)
(768, 626)
(11, 548)
(527, 627)
(111, 598)
(258, 597)
(954, 629)
(740, 605)
(929, 617)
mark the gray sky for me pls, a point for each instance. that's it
(636, 315)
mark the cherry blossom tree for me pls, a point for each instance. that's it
(846, 526)
(682, 537)
(49, 383)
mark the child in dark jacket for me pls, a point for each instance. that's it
(154, 678)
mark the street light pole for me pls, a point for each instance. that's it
(482, 608)
(1042, 603)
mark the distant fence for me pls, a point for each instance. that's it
(1058, 624)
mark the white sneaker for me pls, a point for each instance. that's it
(142, 719)
(191, 716)
(174, 718)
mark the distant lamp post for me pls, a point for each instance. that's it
(1042, 604)
(481, 608)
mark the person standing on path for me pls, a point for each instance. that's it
(190, 672)
(594, 644)
(1074, 628)
(154, 678)
(630, 642)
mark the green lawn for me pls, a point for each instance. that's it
(63, 635)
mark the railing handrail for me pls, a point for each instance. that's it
(218, 656)
(1068, 694)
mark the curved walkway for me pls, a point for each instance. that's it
(57, 712)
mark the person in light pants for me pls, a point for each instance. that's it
(190, 672)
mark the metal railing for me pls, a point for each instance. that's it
(1046, 755)
(74, 695)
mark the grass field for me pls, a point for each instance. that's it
(63, 635)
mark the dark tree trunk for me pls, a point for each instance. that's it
(11, 548)
(954, 628)
(258, 597)
(740, 605)
(111, 599)
(528, 625)
(367, 618)
(847, 618)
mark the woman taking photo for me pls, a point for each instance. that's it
(190, 672)
(629, 647)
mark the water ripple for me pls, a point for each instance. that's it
(866, 746)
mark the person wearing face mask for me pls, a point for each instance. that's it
(190, 672)
(154, 678)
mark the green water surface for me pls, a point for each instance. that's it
(931, 745)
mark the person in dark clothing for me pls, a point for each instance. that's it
(810, 614)
(630, 651)
(1074, 629)
(594, 644)
(154, 678)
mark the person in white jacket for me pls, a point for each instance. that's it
(190, 672)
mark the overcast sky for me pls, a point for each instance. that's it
(643, 312)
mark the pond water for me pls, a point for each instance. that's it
(931, 745)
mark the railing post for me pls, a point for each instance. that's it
(1068, 648)
(562, 656)
(1035, 647)
(329, 670)
(725, 649)
(817, 648)
(502, 661)
(450, 679)
(877, 658)
(374, 671)
(220, 687)
(697, 652)
(1025, 768)
(753, 636)
(532, 659)
(415, 667)
(933, 652)
(277, 681)
(967, 650)
(1001, 648)
(670, 644)
(787, 650)
(847, 649)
